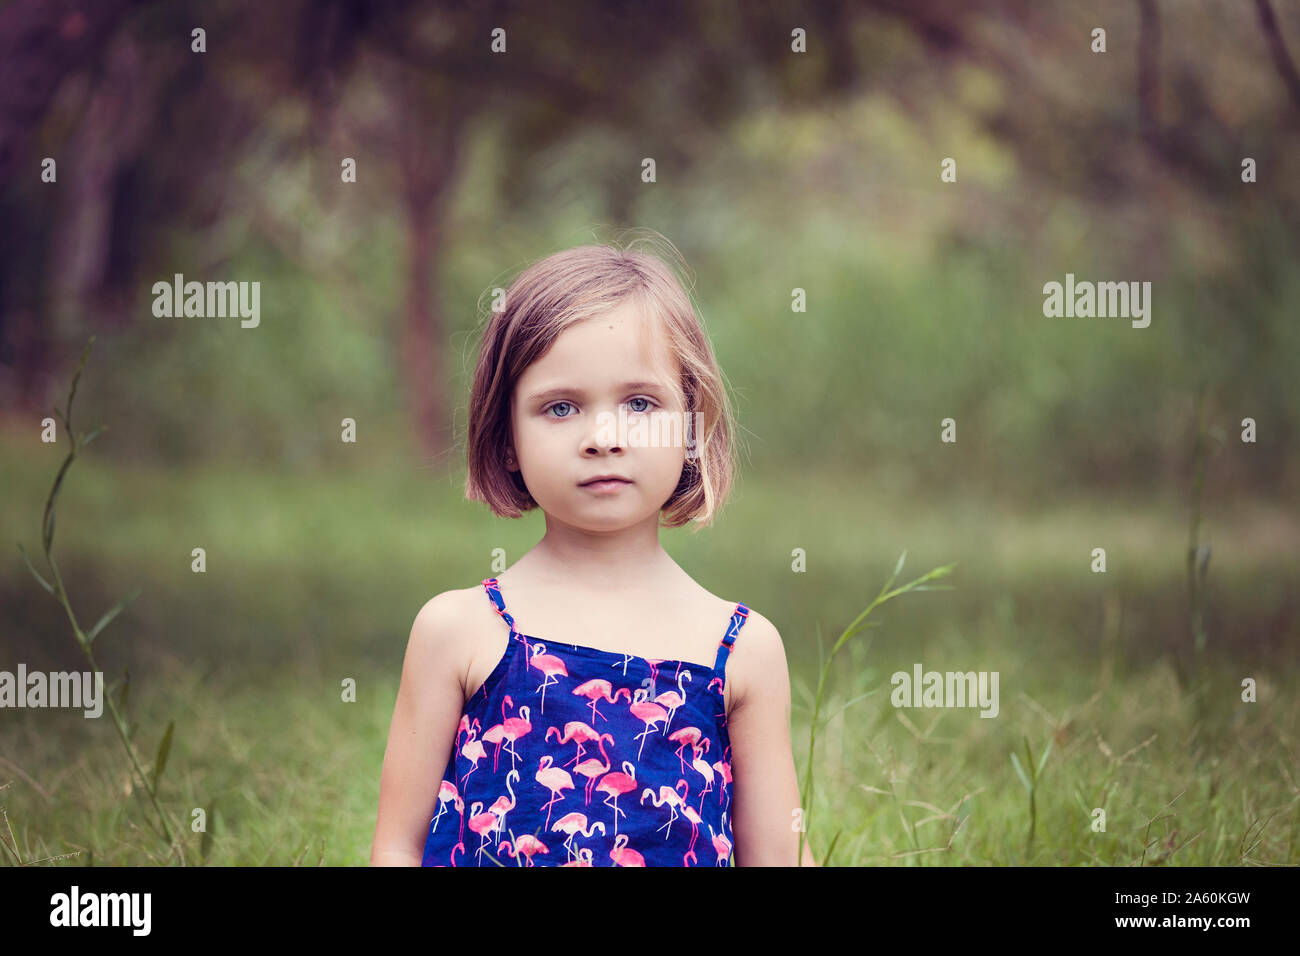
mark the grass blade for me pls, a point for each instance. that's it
(1020, 771)
(164, 748)
(1043, 759)
(831, 849)
(110, 614)
(898, 568)
(205, 841)
(36, 574)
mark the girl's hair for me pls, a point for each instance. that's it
(569, 287)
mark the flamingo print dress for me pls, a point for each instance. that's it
(574, 756)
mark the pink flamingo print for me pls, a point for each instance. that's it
(622, 856)
(672, 699)
(513, 728)
(703, 768)
(574, 730)
(593, 768)
(502, 806)
(472, 751)
(723, 767)
(459, 846)
(554, 779)
(462, 728)
(721, 845)
(667, 795)
(496, 733)
(598, 689)
(575, 824)
(584, 858)
(483, 824)
(685, 736)
(447, 793)
(616, 783)
(550, 666)
(654, 663)
(527, 845)
(696, 820)
(648, 713)
(509, 730)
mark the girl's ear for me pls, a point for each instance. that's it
(511, 464)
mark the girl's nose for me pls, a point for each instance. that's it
(605, 434)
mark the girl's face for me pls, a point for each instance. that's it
(565, 414)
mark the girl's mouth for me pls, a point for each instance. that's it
(606, 485)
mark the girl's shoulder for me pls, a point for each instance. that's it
(450, 609)
(462, 613)
(454, 625)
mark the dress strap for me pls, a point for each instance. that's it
(494, 592)
(733, 631)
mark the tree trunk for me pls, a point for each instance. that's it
(422, 335)
(428, 147)
(41, 43)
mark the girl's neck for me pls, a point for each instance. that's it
(631, 559)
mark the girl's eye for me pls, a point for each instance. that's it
(566, 405)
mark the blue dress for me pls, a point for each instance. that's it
(574, 756)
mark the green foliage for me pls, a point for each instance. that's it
(858, 625)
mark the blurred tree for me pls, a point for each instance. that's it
(152, 135)
(149, 136)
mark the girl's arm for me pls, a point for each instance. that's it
(422, 733)
(765, 808)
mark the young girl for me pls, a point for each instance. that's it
(593, 705)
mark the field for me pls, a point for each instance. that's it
(312, 579)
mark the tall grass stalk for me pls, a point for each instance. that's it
(1030, 779)
(166, 828)
(858, 625)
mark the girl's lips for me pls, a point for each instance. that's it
(611, 484)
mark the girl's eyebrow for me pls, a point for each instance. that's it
(580, 393)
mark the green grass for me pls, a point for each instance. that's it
(316, 577)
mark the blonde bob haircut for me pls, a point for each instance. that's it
(562, 290)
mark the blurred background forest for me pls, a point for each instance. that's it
(775, 170)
